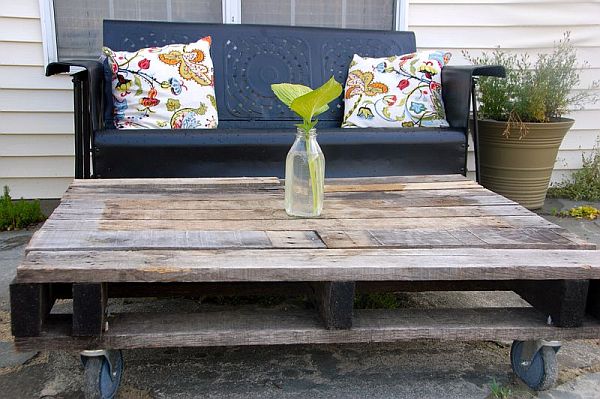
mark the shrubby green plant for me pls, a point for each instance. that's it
(584, 184)
(539, 91)
(18, 214)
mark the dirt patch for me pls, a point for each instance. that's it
(129, 392)
(570, 374)
(5, 334)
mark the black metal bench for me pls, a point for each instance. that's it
(255, 129)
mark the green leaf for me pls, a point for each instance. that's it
(288, 92)
(315, 102)
(138, 81)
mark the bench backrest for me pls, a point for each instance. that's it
(249, 58)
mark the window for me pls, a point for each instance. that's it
(72, 29)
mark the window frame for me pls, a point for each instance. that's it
(232, 14)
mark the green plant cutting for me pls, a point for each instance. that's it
(308, 104)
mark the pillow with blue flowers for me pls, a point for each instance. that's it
(396, 91)
(170, 87)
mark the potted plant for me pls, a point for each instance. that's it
(305, 163)
(521, 123)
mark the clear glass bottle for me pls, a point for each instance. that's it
(304, 176)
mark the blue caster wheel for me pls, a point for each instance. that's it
(535, 364)
(102, 373)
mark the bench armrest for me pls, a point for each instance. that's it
(457, 83)
(88, 92)
(458, 90)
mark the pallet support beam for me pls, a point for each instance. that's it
(89, 309)
(563, 301)
(335, 303)
(593, 303)
(29, 304)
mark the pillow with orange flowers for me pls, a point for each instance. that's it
(170, 87)
(396, 91)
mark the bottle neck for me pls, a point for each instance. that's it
(304, 135)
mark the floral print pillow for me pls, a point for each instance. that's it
(170, 87)
(397, 91)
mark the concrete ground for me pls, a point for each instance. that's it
(420, 369)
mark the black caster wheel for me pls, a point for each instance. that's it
(102, 373)
(538, 371)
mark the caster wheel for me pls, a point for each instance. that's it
(541, 373)
(101, 381)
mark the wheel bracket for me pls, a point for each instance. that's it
(530, 348)
(111, 357)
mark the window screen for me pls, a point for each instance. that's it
(79, 22)
(358, 14)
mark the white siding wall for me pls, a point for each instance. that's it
(36, 121)
(519, 25)
(36, 127)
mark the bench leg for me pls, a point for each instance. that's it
(29, 306)
(593, 303)
(89, 309)
(335, 302)
(564, 301)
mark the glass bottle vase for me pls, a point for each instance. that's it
(304, 176)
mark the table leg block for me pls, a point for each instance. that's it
(593, 303)
(89, 309)
(335, 303)
(29, 306)
(563, 300)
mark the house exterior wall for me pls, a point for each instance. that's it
(36, 113)
(519, 25)
(36, 121)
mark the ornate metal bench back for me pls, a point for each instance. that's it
(249, 58)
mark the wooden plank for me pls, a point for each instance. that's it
(59, 240)
(188, 186)
(278, 213)
(335, 303)
(267, 180)
(273, 327)
(394, 179)
(364, 187)
(29, 306)
(89, 309)
(208, 195)
(448, 238)
(308, 265)
(172, 181)
(270, 203)
(291, 224)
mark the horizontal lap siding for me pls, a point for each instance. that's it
(36, 112)
(525, 25)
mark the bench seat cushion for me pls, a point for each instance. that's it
(261, 152)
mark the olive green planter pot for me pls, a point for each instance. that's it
(520, 169)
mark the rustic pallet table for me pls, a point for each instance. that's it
(154, 237)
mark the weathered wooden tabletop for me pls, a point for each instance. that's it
(390, 228)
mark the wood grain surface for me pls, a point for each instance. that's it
(442, 227)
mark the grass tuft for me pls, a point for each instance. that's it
(499, 391)
(18, 214)
(584, 185)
